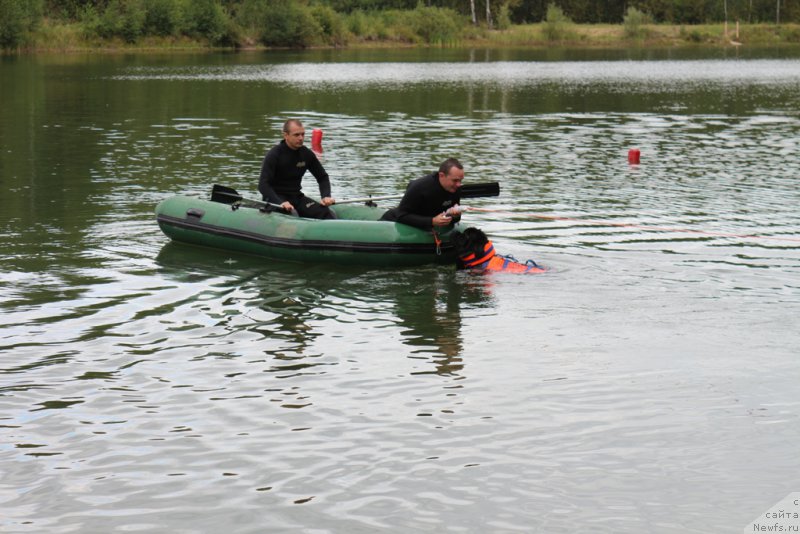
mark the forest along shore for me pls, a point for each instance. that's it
(252, 24)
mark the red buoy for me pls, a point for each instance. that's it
(633, 156)
(316, 140)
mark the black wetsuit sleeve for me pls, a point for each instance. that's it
(424, 199)
(318, 171)
(408, 212)
(269, 169)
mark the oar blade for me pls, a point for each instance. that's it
(229, 195)
(489, 189)
(225, 195)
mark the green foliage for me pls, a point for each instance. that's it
(503, 21)
(351, 6)
(369, 26)
(332, 25)
(250, 13)
(690, 12)
(357, 23)
(206, 19)
(693, 35)
(303, 23)
(557, 26)
(163, 17)
(288, 24)
(123, 19)
(18, 18)
(132, 19)
(792, 36)
(66, 9)
(634, 23)
(434, 25)
(89, 22)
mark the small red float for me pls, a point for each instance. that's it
(316, 140)
(633, 156)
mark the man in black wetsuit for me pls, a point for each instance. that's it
(431, 200)
(282, 172)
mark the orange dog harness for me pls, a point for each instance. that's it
(490, 261)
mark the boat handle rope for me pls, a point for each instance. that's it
(646, 227)
(438, 241)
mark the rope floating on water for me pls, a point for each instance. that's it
(637, 226)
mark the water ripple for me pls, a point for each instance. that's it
(145, 383)
(658, 75)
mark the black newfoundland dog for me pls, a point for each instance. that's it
(475, 251)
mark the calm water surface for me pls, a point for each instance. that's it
(646, 383)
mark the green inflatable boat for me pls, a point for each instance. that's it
(357, 236)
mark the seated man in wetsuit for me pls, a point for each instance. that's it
(282, 172)
(429, 201)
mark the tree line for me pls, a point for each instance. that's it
(301, 23)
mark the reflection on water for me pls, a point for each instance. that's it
(146, 383)
(626, 76)
(287, 303)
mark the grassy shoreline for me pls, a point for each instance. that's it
(67, 38)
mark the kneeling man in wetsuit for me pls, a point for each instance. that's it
(429, 201)
(282, 173)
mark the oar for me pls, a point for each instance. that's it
(229, 195)
(367, 199)
(489, 189)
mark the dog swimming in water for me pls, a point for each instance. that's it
(475, 251)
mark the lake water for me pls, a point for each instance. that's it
(648, 382)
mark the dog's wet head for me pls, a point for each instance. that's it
(470, 241)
